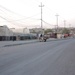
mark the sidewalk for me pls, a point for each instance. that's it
(12, 43)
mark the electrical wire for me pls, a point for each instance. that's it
(10, 11)
(16, 14)
(48, 23)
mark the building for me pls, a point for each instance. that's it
(21, 30)
(5, 33)
(23, 34)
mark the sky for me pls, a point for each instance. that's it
(27, 13)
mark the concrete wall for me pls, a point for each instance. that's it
(15, 34)
(5, 31)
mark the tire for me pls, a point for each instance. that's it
(44, 40)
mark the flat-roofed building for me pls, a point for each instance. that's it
(5, 33)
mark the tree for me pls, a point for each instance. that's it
(65, 31)
(47, 31)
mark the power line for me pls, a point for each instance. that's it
(18, 24)
(10, 11)
(48, 23)
(16, 13)
(50, 10)
(26, 18)
(18, 19)
(53, 12)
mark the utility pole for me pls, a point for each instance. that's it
(64, 23)
(69, 25)
(41, 14)
(57, 21)
(70, 28)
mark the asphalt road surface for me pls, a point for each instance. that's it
(41, 58)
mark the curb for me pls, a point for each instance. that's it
(15, 44)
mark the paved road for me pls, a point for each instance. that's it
(41, 58)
